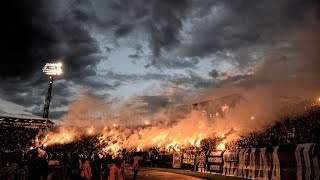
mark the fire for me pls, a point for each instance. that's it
(221, 146)
(146, 122)
(90, 130)
(138, 149)
(62, 137)
(113, 138)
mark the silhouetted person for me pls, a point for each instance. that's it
(114, 172)
(95, 167)
(86, 169)
(135, 166)
(44, 168)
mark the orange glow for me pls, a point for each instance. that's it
(112, 138)
(221, 146)
(138, 149)
(90, 130)
(146, 122)
(64, 136)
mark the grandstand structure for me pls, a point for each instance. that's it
(218, 107)
(30, 122)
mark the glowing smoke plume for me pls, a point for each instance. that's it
(266, 89)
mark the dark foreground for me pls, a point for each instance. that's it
(169, 173)
(147, 173)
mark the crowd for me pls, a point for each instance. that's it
(16, 138)
(289, 130)
(56, 164)
(83, 158)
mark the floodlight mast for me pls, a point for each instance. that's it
(51, 70)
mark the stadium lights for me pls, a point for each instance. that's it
(52, 69)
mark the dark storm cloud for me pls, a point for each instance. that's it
(165, 24)
(155, 76)
(94, 84)
(123, 30)
(160, 21)
(203, 84)
(21, 92)
(57, 114)
(232, 25)
(138, 53)
(191, 79)
(54, 114)
(120, 77)
(45, 31)
(27, 95)
(236, 78)
(35, 33)
(39, 34)
(214, 73)
(209, 26)
(150, 104)
(155, 102)
(179, 34)
(173, 62)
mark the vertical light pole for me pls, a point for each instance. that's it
(51, 70)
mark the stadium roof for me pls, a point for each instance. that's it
(25, 120)
(229, 99)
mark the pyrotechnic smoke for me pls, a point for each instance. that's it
(89, 110)
(280, 78)
(291, 76)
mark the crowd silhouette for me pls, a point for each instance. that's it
(67, 161)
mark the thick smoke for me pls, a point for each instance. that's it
(283, 77)
(279, 80)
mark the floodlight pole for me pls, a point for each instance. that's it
(48, 99)
(51, 70)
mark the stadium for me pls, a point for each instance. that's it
(287, 149)
(160, 89)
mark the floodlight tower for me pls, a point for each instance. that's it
(51, 70)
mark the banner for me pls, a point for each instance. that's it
(230, 163)
(215, 161)
(176, 160)
(201, 162)
(273, 163)
(289, 162)
(189, 160)
(307, 158)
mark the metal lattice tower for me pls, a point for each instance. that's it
(51, 70)
(47, 100)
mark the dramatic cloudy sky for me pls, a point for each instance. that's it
(119, 49)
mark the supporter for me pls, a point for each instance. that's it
(86, 169)
(135, 166)
(16, 138)
(289, 130)
(114, 172)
